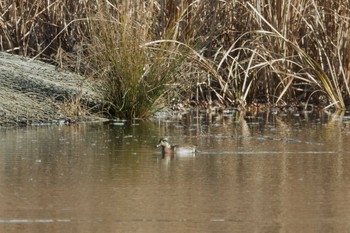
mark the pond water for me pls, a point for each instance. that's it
(257, 173)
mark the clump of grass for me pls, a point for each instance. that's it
(133, 77)
(72, 106)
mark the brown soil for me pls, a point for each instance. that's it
(33, 92)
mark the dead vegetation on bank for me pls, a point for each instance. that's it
(36, 93)
(147, 52)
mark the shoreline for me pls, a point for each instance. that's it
(33, 92)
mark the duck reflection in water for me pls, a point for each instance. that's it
(169, 150)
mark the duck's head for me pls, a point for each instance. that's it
(164, 143)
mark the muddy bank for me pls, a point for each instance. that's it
(33, 92)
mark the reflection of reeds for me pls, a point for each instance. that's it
(233, 51)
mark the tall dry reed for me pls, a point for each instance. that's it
(53, 30)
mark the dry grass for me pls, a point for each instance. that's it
(133, 76)
(52, 29)
(237, 52)
(72, 106)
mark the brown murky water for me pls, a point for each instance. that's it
(254, 174)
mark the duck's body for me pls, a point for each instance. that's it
(168, 149)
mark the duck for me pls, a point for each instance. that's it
(169, 149)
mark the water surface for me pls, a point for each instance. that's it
(258, 173)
